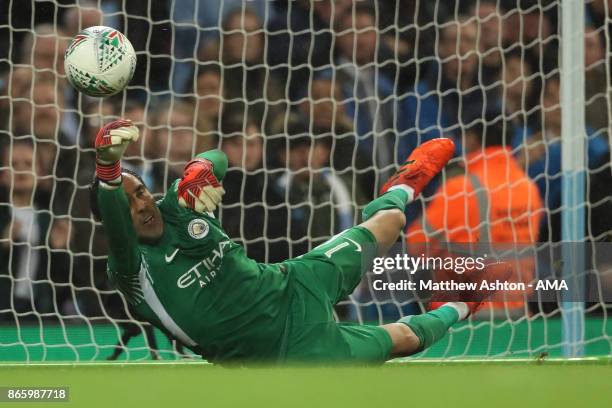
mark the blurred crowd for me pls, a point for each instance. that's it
(315, 103)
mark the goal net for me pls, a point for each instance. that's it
(316, 104)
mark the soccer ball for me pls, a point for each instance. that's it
(100, 61)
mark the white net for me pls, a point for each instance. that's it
(315, 103)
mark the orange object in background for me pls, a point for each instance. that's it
(493, 202)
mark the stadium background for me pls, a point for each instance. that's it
(310, 85)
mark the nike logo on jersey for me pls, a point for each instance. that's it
(171, 257)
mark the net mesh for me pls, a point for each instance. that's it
(315, 103)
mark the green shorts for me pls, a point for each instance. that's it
(323, 277)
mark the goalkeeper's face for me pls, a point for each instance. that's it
(146, 217)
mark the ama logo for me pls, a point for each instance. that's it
(552, 285)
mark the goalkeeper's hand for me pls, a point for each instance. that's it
(199, 189)
(111, 142)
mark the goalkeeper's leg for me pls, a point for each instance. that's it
(320, 338)
(412, 334)
(384, 218)
(337, 265)
(331, 271)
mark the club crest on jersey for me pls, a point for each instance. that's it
(198, 228)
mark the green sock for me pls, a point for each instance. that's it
(432, 326)
(391, 199)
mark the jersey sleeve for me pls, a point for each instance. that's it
(218, 160)
(124, 258)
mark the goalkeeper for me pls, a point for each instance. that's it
(180, 271)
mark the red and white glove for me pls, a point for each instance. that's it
(199, 189)
(111, 142)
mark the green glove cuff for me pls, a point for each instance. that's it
(219, 161)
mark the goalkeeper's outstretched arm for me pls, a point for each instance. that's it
(112, 202)
(122, 239)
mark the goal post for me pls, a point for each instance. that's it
(573, 139)
(316, 103)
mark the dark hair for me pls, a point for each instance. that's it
(298, 133)
(235, 121)
(493, 129)
(93, 192)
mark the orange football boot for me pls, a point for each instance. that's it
(422, 165)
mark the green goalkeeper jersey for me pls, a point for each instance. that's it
(197, 284)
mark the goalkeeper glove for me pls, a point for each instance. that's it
(199, 189)
(111, 142)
